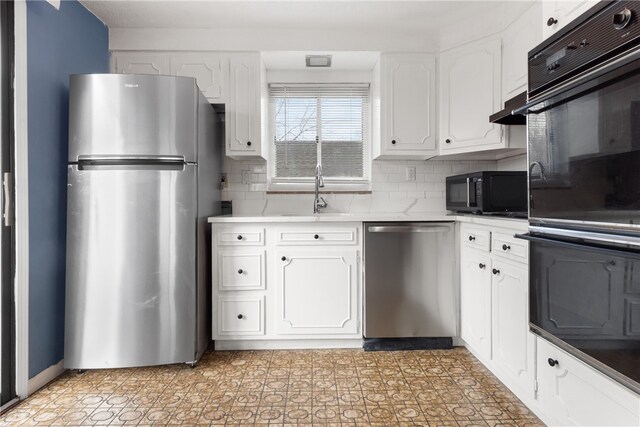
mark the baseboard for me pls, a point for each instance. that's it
(287, 344)
(45, 377)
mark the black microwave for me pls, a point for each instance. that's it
(487, 192)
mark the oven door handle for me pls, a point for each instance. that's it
(573, 83)
(587, 244)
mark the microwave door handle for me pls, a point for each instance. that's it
(468, 192)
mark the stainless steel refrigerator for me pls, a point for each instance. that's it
(145, 156)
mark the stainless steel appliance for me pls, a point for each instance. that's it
(584, 184)
(409, 280)
(144, 163)
(487, 192)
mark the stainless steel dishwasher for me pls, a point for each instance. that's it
(409, 292)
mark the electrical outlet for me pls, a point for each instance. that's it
(246, 177)
(224, 181)
(411, 173)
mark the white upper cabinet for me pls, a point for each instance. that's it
(519, 38)
(558, 13)
(140, 63)
(211, 71)
(407, 106)
(470, 91)
(243, 110)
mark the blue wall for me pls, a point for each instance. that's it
(59, 43)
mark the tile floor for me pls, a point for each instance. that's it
(307, 387)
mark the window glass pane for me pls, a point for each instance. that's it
(336, 114)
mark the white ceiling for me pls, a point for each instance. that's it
(408, 17)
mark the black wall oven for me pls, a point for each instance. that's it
(583, 121)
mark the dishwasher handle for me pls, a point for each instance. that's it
(408, 229)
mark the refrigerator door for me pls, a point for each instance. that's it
(132, 115)
(131, 264)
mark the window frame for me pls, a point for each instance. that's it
(331, 184)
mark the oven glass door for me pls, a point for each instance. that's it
(584, 151)
(588, 297)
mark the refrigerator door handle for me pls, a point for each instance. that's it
(133, 163)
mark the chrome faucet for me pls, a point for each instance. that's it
(319, 202)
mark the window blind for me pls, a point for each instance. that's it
(319, 124)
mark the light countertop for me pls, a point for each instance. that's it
(367, 217)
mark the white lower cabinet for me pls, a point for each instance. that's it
(317, 292)
(475, 282)
(494, 303)
(512, 343)
(572, 393)
(280, 283)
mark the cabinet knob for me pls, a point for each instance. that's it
(248, 143)
(393, 141)
(481, 265)
(551, 21)
(240, 271)
(622, 19)
(284, 258)
(316, 236)
(472, 238)
(448, 141)
(239, 237)
(506, 247)
(495, 271)
(552, 362)
(240, 316)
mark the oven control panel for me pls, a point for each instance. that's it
(610, 31)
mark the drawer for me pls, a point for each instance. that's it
(241, 270)
(319, 236)
(476, 238)
(505, 245)
(240, 236)
(239, 315)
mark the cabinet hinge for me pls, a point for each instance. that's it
(502, 133)
(535, 388)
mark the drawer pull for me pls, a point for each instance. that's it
(552, 362)
(472, 238)
(240, 271)
(506, 247)
(481, 266)
(316, 237)
(240, 316)
(551, 21)
(495, 271)
(239, 237)
(284, 258)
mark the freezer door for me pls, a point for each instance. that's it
(132, 115)
(131, 265)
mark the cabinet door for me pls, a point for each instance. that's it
(211, 72)
(512, 343)
(141, 63)
(475, 283)
(572, 393)
(556, 14)
(317, 292)
(243, 108)
(519, 38)
(470, 91)
(408, 104)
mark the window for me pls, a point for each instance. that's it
(320, 124)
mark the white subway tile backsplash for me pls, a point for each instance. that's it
(388, 181)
